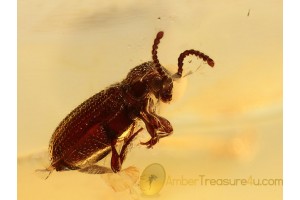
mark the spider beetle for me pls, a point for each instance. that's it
(92, 130)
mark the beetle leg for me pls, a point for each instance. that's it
(157, 126)
(115, 162)
(128, 141)
(152, 131)
(118, 159)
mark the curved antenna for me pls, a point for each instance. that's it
(186, 53)
(154, 53)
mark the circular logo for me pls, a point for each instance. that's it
(152, 179)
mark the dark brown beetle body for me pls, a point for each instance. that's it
(92, 130)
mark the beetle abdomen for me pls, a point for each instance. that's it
(93, 146)
(80, 136)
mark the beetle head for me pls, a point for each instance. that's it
(151, 77)
(162, 87)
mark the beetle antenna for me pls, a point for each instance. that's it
(186, 53)
(154, 53)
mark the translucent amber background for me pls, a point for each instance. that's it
(227, 120)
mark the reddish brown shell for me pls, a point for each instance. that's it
(80, 136)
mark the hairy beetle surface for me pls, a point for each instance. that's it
(92, 130)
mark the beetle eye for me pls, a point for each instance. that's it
(156, 83)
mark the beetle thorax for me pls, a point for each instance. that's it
(145, 80)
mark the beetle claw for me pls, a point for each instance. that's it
(151, 142)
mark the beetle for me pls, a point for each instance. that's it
(92, 130)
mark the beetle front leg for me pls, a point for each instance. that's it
(151, 130)
(157, 126)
